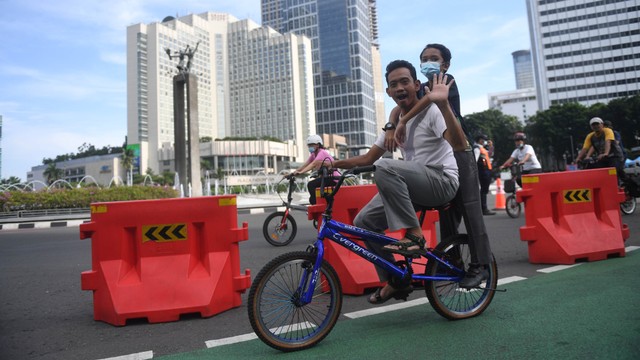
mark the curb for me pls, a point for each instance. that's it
(45, 224)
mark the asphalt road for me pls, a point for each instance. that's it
(44, 314)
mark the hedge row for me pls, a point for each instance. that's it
(80, 197)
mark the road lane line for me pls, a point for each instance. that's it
(510, 279)
(387, 308)
(137, 356)
(230, 340)
(631, 248)
(556, 268)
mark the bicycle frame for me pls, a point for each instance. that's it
(333, 231)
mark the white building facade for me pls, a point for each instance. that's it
(252, 82)
(520, 103)
(585, 51)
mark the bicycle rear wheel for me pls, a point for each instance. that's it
(447, 297)
(279, 230)
(628, 207)
(512, 207)
(275, 311)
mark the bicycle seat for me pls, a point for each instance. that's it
(422, 209)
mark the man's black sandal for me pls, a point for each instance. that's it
(403, 246)
(398, 294)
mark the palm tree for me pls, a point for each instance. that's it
(127, 159)
(10, 180)
(52, 173)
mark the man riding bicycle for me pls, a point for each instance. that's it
(525, 155)
(601, 144)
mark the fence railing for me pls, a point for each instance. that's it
(45, 212)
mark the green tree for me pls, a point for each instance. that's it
(498, 126)
(553, 132)
(127, 159)
(52, 173)
(10, 180)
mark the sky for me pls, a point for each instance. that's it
(63, 62)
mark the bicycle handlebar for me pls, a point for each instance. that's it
(325, 173)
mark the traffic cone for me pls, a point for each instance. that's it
(500, 200)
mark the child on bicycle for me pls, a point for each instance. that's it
(319, 156)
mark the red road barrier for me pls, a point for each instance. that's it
(158, 259)
(572, 216)
(355, 273)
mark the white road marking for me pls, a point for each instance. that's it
(557, 268)
(387, 308)
(137, 356)
(510, 279)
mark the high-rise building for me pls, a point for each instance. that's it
(342, 33)
(252, 82)
(523, 68)
(521, 102)
(0, 146)
(584, 51)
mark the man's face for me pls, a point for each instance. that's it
(597, 127)
(402, 87)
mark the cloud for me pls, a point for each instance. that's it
(26, 143)
(470, 105)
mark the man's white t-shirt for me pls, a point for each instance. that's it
(425, 143)
(532, 163)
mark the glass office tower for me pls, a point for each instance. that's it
(341, 42)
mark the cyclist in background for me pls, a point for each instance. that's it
(319, 155)
(525, 156)
(602, 144)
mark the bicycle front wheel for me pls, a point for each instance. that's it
(512, 207)
(278, 229)
(446, 297)
(276, 312)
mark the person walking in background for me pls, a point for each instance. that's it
(483, 161)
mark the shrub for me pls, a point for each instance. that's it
(79, 197)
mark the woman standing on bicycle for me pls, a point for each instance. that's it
(525, 155)
(319, 155)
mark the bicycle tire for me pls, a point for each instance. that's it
(512, 206)
(446, 297)
(275, 233)
(273, 313)
(628, 207)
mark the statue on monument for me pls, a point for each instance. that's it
(188, 52)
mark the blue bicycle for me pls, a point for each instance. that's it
(296, 299)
